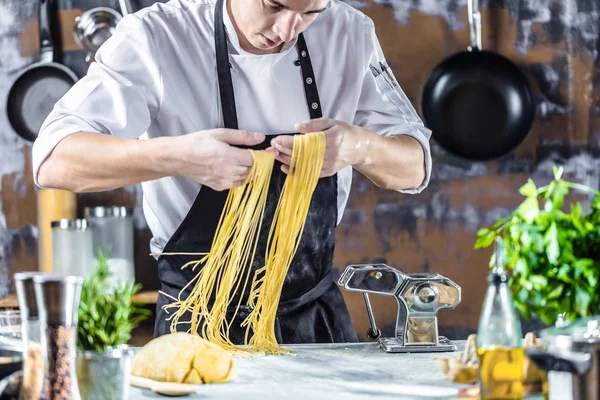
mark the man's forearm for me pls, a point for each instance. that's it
(91, 162)
(391, 162)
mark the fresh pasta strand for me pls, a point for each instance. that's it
(227, 267)
(228, 262)
(284, 238)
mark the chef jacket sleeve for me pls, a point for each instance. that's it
(384, 108)
(120, 95)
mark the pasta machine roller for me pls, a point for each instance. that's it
(419, 296)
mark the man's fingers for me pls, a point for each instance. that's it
(283, 144)
(315, 125)
(284, 159)
(237, 137)
(239, 170)
(239, 157)
(283, 150)
(272, 149)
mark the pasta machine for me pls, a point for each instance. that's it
(419, 296)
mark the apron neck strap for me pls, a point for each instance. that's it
(224, 74)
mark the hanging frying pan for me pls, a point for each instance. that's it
(477, 103)
(41, 85)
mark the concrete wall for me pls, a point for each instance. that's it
(555, 42)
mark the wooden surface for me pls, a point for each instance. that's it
(144, 297)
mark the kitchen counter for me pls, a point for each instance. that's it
(333, 371)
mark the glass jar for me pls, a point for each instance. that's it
(52, 205)
(114, 234)
(72, 247)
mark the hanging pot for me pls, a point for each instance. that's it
(477, 103)
(95, 26)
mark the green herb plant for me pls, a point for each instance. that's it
(554, 256)
(107, 314)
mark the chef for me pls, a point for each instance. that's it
(181, 90)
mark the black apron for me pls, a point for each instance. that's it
(311, 309)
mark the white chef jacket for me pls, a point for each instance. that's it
(156, 76)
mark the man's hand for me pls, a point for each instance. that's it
(209, 157)
(342, 148)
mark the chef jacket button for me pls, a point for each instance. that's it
(314, 106)
(309, 80)
(303, 53)
(297, 62)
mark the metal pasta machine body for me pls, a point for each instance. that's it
(419, 296)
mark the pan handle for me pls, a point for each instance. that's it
(125, 6)
(474, 24)
(46, 40)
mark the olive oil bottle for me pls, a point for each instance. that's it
(499, 338)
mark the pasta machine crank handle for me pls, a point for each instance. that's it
(373, 332)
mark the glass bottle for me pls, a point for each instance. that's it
(499, 338)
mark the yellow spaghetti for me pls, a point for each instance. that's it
(226, 268)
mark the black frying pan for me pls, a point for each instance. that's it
(41, 85)
(477, 103)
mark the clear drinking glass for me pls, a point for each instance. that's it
(10, 324)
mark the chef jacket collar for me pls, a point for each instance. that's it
(234, 40)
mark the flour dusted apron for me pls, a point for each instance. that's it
(312, 309)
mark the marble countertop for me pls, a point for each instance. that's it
(332, 371)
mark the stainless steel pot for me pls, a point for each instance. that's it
(96, 26)
(572, 358)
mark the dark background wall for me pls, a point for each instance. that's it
(556, 43)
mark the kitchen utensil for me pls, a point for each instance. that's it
(58, 303)
(478, 103)
(94, 27)
(33, 358)
(165, 388)
(419, 296)
(572, 359)
(40, 85)
(113, 233)
(126, 7)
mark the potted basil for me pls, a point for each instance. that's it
(107, 315)
(553, 252)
